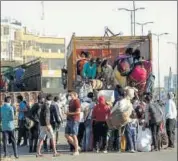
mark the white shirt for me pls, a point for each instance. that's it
(170, 109)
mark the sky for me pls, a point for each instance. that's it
(88, 18)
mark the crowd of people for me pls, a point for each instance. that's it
(87, 126)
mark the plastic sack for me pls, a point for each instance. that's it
(108, 95)
(144, 139)
(97, 84)
(84, 105)
(120, 114)
(84, 90)
(130, 92)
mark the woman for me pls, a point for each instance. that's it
(100, 114)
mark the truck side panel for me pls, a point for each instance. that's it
(32, 77)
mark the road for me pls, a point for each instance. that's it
(163, 155)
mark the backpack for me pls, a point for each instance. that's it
(29, 123)
(150, 83)
(137, 78)
(156, 113)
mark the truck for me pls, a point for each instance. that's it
(37, 78)
(108, 47)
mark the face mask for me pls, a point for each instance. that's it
(8, 104)
(49, 102)
(69, 98)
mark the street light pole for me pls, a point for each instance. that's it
(173, 43)
(143, 24)
(158, 39)
(132, 11)
(131, 23)
(134, 15)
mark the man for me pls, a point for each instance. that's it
(19, 72)
(22, 130)
(73, 118)
(55, 119)
(57, 103)
(46, 129)
(119, 101)
(7, 118)
(107, 72)
(87, 139)
(153, 118)
(170, 115)
(35, 116)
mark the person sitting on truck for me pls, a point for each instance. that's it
(89, 70)
(19, 72)
(129, 51)
(81, 62)
(99, 69)
(107, 71)
(136, 56)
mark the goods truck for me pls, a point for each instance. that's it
(37, 78)
(107, 47)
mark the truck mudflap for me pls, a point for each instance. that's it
(30, 97)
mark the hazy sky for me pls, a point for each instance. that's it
(90, 17)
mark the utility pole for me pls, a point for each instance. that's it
(134, 15)
(43, 17)
(142, 25)
(131, 12)
(158, 37)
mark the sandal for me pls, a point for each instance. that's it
(39, 155)
(56, 155)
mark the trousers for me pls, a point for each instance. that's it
(11, 136)
(170, 128)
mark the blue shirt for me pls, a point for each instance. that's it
(19, 73)
(7, 117)
(22, 106)
(89, 71)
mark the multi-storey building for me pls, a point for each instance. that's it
(8, 43)
(50, 49)
(26, 46)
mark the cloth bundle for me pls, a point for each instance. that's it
(120, 114)
(97, 84)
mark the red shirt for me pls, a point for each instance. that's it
(101, 111)
(74, 105)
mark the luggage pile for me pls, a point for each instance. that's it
(120, 114)
(136, 74)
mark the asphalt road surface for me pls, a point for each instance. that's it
(163, 155)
